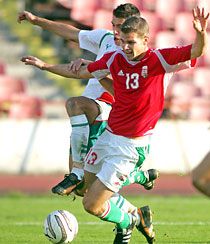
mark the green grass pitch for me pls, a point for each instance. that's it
(177, 219)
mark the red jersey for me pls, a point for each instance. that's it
(139, 86)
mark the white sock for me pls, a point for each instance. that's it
(78, 172)
(122, 203)
(79, 137)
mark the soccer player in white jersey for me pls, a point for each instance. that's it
(89, 113)
(140, 77)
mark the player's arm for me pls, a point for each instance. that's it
(107, 83)
(59, 69)
(200, 22)
(66, 31)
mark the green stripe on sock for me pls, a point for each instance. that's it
(119, 198)
(79, 125)
(84, 146)
(122, 203)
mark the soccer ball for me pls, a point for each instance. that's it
(60, 226)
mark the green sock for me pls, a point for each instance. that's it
(122, 203)
(137, 176)
(115, 215)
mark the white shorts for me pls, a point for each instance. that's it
(104, 109)
(113, 158)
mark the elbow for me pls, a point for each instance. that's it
(201, 52)
(197, 53)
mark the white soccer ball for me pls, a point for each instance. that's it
(60, 226)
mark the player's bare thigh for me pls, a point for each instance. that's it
(82, 105)
(96, 197)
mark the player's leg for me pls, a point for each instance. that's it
(97, 201)
(201, 175)
(112, 159)
(82, 111)
(145, 178)
(73, 180)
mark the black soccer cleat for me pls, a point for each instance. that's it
(151, 175)
(69, 184)
(123, 236)
(145, 226)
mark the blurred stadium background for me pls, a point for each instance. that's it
(34, 127)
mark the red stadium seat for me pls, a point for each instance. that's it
(167, 10)
(185, 75)
(25, 106)
(155, 24)
(189, 5)
(200, 109)
(149, 5)
(202, 80)
(166, 39)
(184, 27)
(182, 93)
(137, 3)
(102, 19)
(84, 11)
(10, 86)
(179, 109)
(107, 4)
(185, 91)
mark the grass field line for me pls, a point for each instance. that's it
(26, 223)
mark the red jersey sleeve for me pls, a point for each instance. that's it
(177, 54)
(99, 69)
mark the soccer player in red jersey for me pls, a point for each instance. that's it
(89, 113)
(140, 78)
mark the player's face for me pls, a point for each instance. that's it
(133, 45)
(116, 24)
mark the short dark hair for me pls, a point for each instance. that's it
(126, 10)
(135, 24)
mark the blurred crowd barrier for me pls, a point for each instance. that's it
(41, 146)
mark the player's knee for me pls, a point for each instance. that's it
(90, 206)
(72, 105)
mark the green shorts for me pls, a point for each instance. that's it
(143, 153)
(96, 129)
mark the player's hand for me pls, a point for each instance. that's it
(75, 65)
(200, 20)
(25, 15)
(31, 60)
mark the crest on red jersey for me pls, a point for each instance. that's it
(144, 71)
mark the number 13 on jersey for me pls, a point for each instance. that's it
(132, 81)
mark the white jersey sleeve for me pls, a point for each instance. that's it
(99, 42)
(91, 40)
